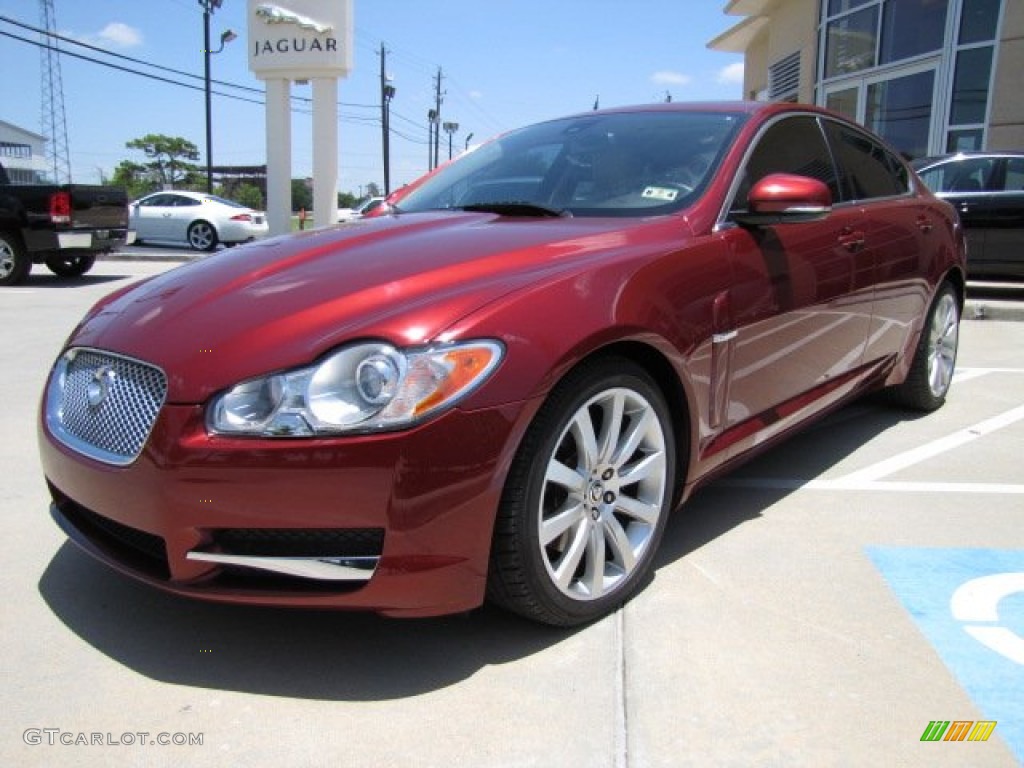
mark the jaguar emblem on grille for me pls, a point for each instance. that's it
(99, 387)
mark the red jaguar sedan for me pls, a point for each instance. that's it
(501, 389)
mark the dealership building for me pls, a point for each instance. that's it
(930, 76)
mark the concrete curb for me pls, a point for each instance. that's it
(987, 309)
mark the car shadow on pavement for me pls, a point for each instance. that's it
(297, 653)
(728, 502)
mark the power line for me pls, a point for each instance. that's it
(159, 67)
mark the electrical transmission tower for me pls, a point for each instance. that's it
(55, 125)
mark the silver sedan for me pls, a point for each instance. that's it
(199, 219)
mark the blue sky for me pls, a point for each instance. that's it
(506, 63)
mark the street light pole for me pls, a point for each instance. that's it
(450, 128)
(206, 82)
(209, 6)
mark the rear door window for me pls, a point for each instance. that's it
(867, 169)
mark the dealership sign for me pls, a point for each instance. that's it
(300, 39)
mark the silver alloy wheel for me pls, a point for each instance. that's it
(603, 493)
(7, 260)
(201, 236)
(943, 337)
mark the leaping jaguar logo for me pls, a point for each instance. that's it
(275, 14)
(103, 379)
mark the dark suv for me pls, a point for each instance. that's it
(987, 189)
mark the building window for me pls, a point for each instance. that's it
(972, 75)
(900, 111)
(11, 149)
(970, 85)
(911, 28)
(978, 21)
(851, 42)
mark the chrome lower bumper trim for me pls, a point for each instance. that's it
(319, 568)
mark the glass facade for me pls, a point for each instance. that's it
(918, 72)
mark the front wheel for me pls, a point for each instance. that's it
(202, 236)
(931, 371)
(64, 265)
(587, 497)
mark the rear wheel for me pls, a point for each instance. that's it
(202, 236)
(587, 497)
(70, 266)
(14, 262)
(931, 371)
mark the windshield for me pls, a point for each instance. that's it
(606, 164)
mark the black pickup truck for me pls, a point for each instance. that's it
(64, 227)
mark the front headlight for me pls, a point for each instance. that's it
(361, 388)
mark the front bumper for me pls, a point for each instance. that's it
(398, 523)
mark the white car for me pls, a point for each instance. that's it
(196, 218)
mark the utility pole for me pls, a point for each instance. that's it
(387, 93)
(55, 126)
(437, 117)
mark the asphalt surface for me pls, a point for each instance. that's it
(823, 606)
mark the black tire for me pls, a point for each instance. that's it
(615, 515)
(202, 236)
(931, 371)
(65, 265)
(15, 264)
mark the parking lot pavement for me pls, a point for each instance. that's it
(832, 603)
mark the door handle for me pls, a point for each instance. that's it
(851, 239)
(924, 224)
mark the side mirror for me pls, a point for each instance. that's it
(783, 198)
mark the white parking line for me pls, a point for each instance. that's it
(934, 448)
(872, 478)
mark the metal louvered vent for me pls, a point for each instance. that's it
(784, 78)
(104, 405)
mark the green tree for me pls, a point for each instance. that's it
(248, 195)
(133, 178)
(372, 190)
(302, 195)
(347, 200)
(171, 159)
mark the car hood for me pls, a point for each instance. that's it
(285, 301)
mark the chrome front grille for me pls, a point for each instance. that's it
(104, 405)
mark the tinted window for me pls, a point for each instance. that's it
(793, 145)
(866, 168)
(180, 201)
(1014, 175)
(970, 175)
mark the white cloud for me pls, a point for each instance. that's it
(120, 35)
(732, 74)
(665, 77)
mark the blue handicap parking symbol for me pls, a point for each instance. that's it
(969, 603)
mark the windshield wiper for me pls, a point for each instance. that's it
(515, 208)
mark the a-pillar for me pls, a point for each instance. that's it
(279, 156)
(325, 151)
